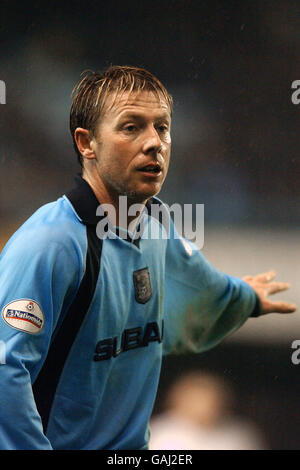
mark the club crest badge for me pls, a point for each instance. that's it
(142, 285)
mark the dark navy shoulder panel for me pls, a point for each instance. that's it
(85, 203)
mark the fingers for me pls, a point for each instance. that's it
(247, 278)
(265, 277)
(275, 287)
(279, 307)
(263, 286)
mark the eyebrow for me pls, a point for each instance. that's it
(131, 115)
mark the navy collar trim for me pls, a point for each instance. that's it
(84, 201)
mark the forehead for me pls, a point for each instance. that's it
(141, 102)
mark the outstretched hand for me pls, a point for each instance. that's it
(264, 285)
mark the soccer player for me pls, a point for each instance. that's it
(87, 313)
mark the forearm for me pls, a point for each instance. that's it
(199, 319)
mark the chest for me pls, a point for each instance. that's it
(129, 292)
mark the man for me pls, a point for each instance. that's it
(86, 319)
(199, 414)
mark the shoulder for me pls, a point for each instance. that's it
(54, 226)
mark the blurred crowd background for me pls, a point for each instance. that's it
(229, 66)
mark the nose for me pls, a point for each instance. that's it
(152, 142)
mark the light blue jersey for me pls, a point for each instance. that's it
(87, 321)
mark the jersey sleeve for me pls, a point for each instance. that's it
(38, 280)
(202, 305)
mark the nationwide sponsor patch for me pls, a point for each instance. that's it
(24, 315)
(142, 285)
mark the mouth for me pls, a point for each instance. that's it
(152, 169)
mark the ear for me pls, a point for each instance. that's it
(83, 141)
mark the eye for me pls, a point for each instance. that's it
(163, 128)
(130, 128)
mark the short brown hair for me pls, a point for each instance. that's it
(91, 92)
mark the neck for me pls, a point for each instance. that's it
(120, 203)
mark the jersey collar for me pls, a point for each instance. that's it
(84, 201)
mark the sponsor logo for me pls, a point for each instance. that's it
(38, 322)
(131, 338)
(24, 315)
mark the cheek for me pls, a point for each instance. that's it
(122, 148)
(167, 154)
(116, 160)
(124, 153)
(168, 139)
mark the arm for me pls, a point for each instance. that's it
(37, 282)
(203, 305)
